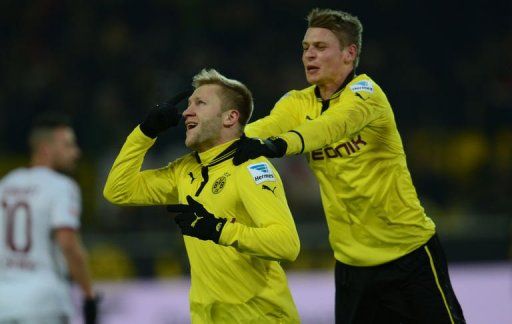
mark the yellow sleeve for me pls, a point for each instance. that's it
(354, 111)
(273, 235)
(282, 118)
(128, 185)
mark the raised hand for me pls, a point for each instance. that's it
(164, 115)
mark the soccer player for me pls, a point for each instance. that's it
(235, 220)
(390, 266)
(39, 239)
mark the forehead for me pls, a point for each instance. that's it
(317, 34)
(207, 91)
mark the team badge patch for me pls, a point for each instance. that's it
(363, 85)
(261, 172)
(219, 184)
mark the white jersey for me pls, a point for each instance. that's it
(33, 276)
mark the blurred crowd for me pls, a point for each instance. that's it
(447, 71)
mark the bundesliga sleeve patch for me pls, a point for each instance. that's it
(363, 85)
(261, 172)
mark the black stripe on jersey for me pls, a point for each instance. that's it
(227, 154)
(325, 104)
(204, 174)
(301, 140)
(224, 157)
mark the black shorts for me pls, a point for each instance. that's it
(415, 289)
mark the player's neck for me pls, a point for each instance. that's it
(38, 160)
(226, 135)
(327, 89)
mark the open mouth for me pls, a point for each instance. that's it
(190, 125)
(312, 69)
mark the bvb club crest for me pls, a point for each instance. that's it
(219, 184)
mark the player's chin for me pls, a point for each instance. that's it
(190, 142)
(311, 78)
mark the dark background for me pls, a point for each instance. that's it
(445, 67)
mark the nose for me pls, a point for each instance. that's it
(309, 54)
(187, 112)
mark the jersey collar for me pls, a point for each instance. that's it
(217, 154)
(214, 156)
(336, 93)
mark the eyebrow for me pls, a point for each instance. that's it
(198, 97)
(315, 43)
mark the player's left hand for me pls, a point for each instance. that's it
(251, 148)
(194, 220)
(90, 310)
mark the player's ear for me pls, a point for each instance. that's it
(44, 148)
(230, 117)
(350, 53)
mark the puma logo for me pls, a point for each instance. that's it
(308, 118)
(191, 177)
(219, 225)
(358, 95)
(265, 187)
(198, 218)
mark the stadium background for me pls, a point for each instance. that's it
(446, 68)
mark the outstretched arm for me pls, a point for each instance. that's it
(283, 117)
(354, 112)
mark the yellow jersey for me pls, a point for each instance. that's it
(355, 151)
(240, 279)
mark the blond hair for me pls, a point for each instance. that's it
(235, 95)
(347, 28)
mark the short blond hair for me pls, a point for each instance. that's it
(235, 95)
(347, 28)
